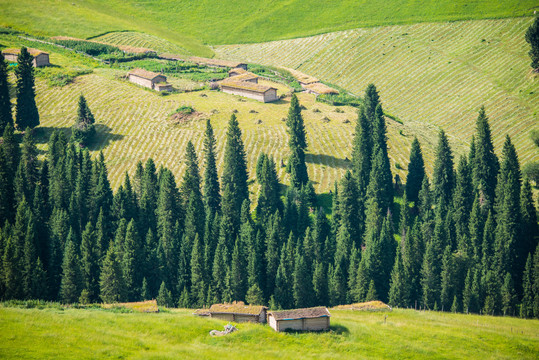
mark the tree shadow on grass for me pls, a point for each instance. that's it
(42, 134)
(103, 138)
(339, 329)
(328, 160)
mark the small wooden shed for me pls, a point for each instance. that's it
(41, 58)
(238, 312)
(149, 79)
(249, 90)
(308, 319)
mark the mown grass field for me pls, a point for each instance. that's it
(193, 24)
(405, 334)
(434, 75)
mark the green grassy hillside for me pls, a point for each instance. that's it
(87, 334)
(190, 24)
(429, 75)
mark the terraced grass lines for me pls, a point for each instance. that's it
(429, 75)
(141, 40)
(132, 125)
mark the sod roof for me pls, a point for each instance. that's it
(33, 52)
(301, 77)
(320, 88)
(145, 74)
(245, 85)
(244, 77)
(238, 308)
(307, 313)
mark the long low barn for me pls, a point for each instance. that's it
(149, 79)
(41, 58)
(250, 90)
(309, 319)
(238, 312)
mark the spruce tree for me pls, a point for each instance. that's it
(284, 282)
(254, 295)
(398, 290)
(508, 296)
(447, 291)
(508, 217)
(165, 296)
(6, 116)
(83, 130)
(362, 152)
(535, 285)
(90, 262)
(148, 198)
(131, 261)
(6, 190)
(443, 179)
(234, 174)
(212, 196)
(111, 282)
(320, 283)
(462, 205)
(72, 281)
(416, 172)
(271, 256)
(486, 165)
(269, 199)
(26, 114)
(532, 37)
(351, 217)
(529, 227)
(238, 276)
(197, 274)
(297, 144)
(302, 285)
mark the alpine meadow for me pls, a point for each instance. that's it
(346, 179)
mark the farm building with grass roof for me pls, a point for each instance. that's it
(149, 79)
(308, 319)
(41, 58)
(249, 89)
(238, 312)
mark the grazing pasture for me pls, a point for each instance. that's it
(85, 334)
(434, 75)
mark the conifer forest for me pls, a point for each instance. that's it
(463, 239)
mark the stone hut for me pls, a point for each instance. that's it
(149, 79)
(238, 312)
(41, 58)
(309, 319)
(249, 89)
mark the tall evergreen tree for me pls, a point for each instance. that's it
(532, 37)
(131, 262)
(90, 262)
(26, 114)
(297, 144)
(462, 205)
(111, 282)
(486, 165)
(398, 290)
(443, 179)
(197, 274)
(416, 172)
(362, 151)
(234, 173)
(6, 116)
(83, 130)
(72, 281)
(269, 199)
(212, 197)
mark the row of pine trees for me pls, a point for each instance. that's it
(463, 241)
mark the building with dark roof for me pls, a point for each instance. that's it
(309, 319)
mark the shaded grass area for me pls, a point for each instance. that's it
(81, 334)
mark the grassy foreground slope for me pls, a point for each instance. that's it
(436, 74)
(85, 334)
(190, 23)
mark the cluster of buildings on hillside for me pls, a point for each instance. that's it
(308, 319)
(239, 81)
